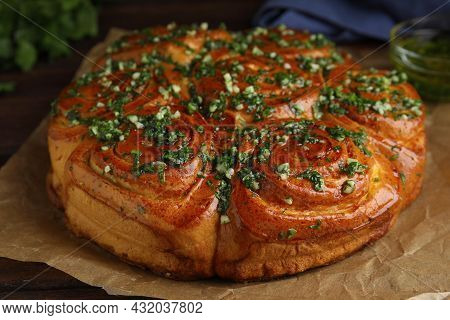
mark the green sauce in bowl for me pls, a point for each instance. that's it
(421, 49)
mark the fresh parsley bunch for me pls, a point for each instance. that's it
(22, 43)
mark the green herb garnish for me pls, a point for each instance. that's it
(314, 177)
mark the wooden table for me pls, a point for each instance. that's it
(23, 109)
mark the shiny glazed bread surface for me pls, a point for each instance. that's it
(244, 155)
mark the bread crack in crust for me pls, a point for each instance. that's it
(244, 155)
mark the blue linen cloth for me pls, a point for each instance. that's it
(346, 20)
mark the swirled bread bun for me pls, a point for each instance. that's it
(244, 155)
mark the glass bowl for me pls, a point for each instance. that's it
(421, 48)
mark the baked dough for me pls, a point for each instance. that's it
(244, 155)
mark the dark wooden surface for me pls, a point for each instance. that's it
(23, 109)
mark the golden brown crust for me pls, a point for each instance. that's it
(243, 257)
(146, 156)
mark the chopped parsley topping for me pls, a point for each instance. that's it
(73, 115)
(254, 101)
(226, 162)
(106, 130)
(117, 110)
(402, 178)
(353, 167)
(223, 195)
(290, 80)
(337, 100)
(156, 127)
(152, 167)
(314, 177)
(317, 225)
(314, 65)
(224, 219)
(283, 171)
(348, 186)
(288, 234)
(264, 152)
(358, 138)
(250, 178)
(177, 157)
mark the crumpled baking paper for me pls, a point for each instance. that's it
(411, 262)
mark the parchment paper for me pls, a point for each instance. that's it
(411, 261)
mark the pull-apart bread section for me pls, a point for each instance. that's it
(245, 155)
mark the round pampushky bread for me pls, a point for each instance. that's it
(244, 155)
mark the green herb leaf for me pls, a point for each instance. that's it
(352, 167)
(250, 178)
(7, 86)
(317, 225)
(314, 177)
(288, 234)
(26, 55)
